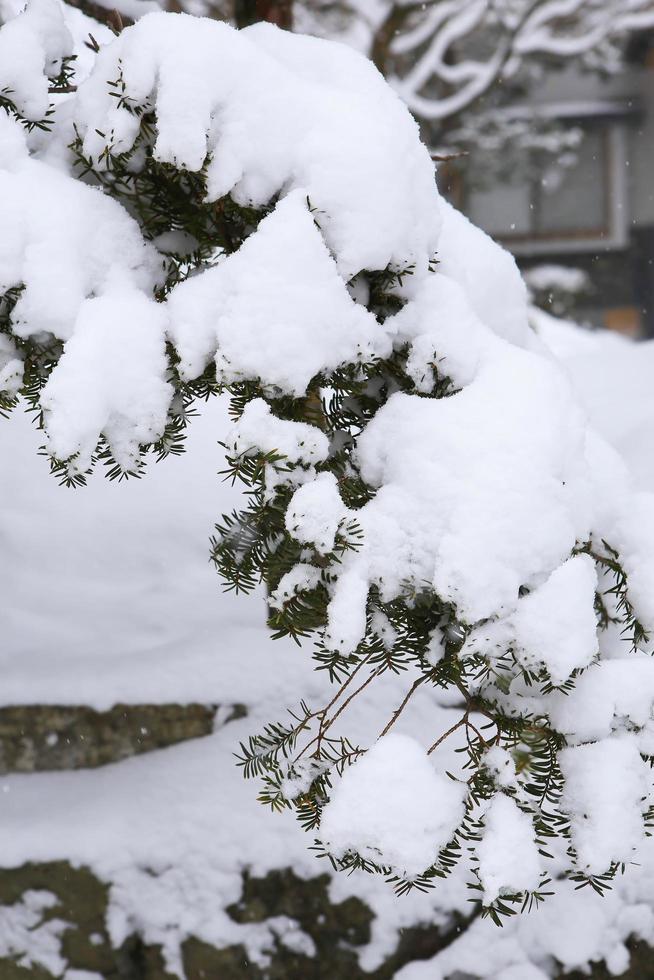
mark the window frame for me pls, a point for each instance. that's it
(614, 232)
(611, 118)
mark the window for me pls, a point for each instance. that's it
(561, 209)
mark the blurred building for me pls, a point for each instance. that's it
(592, 209)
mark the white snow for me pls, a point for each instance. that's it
(29, 938)
(63, 240)
(479, 495)
(86, 270)
(32, 46)
(258, 428)
(604, 697)
(275, 112)
(633, 534)
(315, 513)
(487, 274)
(393, 808)
(301, 578)
(555, 626)
(501, 503)
(133, 558)
(511, 490)
(508, 855)
(276, 309)
(109, 380)
(525, 947)
(501, 766)
(607, 786)
(443, 331)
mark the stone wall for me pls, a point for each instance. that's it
(40, 737)
(54, 737)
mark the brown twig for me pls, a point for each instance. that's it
(396, 714)
(342, 708)
(346, 683)
(326, 724)
(460, 722)
(323, 714)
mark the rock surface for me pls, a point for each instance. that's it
(39, 737)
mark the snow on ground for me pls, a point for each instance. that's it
(108, 592)
(613, 379)
(172, 832)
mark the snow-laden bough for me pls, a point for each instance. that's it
(253, 212)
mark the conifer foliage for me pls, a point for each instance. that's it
(252, 213)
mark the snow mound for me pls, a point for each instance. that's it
(499, 505)
(63, 241)
(508, 854)
(607, 787)
(275, 309)
(32, 48)
(393, 808)
(110, 380)
(566, 641)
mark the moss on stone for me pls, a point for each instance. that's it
(39, 737)
(338, 931)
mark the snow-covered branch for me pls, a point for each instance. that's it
(253, 213)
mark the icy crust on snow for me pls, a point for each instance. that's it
(393, 807)
(276, 309)
(274, 111)
(32, 46)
